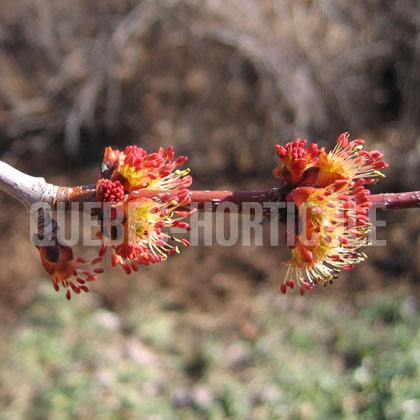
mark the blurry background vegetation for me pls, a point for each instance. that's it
(206, 335)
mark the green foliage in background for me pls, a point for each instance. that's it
(311, 358)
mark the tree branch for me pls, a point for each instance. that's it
(29, 190)
(25, 188)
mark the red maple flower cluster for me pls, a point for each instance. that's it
(145, 222)
(331, 201)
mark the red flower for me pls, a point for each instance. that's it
(313, 166)
(145, 220)
(332, 223)
(67, 271)
(296, 160)
(136, 169)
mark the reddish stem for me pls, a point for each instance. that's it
(209, 200)
(206, 200)
(405, 200)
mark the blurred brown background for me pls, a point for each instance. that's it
(222, 81)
